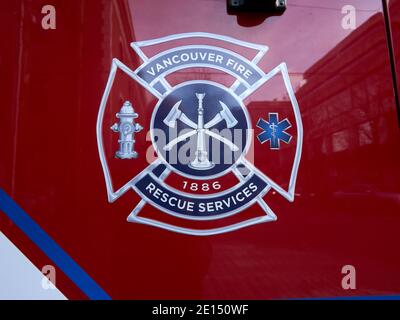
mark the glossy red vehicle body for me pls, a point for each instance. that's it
(347, 204)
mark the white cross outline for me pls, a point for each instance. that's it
(281, 68)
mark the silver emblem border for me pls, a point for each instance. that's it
(115, 194)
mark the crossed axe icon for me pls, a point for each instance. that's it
(201, 161)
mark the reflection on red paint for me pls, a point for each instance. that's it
(346, 209)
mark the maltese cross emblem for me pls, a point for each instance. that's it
(186, 142)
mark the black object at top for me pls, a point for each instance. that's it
(266, 6)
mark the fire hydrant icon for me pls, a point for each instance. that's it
(127, 127)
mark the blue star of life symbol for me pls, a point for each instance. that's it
(274, 130)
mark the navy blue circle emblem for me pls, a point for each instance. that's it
(200, 129)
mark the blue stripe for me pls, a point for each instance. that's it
(388, 297)
(51, 248)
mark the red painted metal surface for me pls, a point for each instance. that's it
(347, 203)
